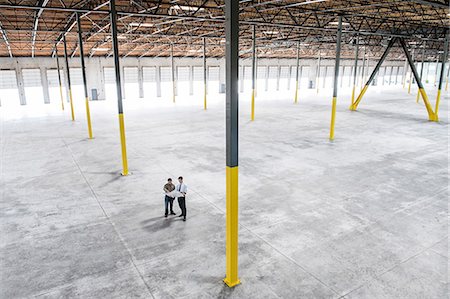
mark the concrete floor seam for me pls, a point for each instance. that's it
(132, 258)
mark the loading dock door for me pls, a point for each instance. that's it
(149, 74)
(34, 93)
(9, 93)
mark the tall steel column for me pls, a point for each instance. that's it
(173, 72)
(374, 72)
(115, 44)
(83, 72)
(421, 71)
(336, 77)
(318, 72)
(204, 74)
(253, 72)
(68, 77)
(297, 65)
(431, 114)
(232, 130)
(59, 78)
(441, 76)
(355, 69)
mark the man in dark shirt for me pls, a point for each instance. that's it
(169, 187)
(182, 188)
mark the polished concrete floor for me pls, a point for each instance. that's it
(364, 216)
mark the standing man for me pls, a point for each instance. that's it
(169, 187)
(182, 188)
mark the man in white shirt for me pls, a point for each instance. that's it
(182, 188)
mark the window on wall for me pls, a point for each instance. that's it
(166, 82)
(34, 93)
(150, 88)
(9, 93)
(213, 80)
(109, 76)
(131, 83)
(53, 85)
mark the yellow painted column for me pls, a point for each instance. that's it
(253, 105)
(353, 96)
(232, 227)
(436, 109)
(431, 115)
(296, 93)
(232, 140)
(61, 95)
(88, 117)
(123, 144)
(333, 118)
(204, 97)
(71, 104)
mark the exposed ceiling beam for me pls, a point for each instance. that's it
(5, 38)
(41, 3)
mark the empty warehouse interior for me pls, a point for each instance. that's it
(307, 142)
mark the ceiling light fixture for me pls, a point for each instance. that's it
(337, 23)
(100, 49)
(134, 24)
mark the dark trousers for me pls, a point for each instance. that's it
(182, 204)
(168, 201)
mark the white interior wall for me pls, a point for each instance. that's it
(96, 79)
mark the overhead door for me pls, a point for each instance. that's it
(213, 80)
(284, 79)
(198, 80)
(34, 93)
(131, 75)
(9, 93)
(182, 81)
(166, 82)
(149, 77)
(109, 76)
(261, 78)
(272, 80)
(53, 85)
(247, 78)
